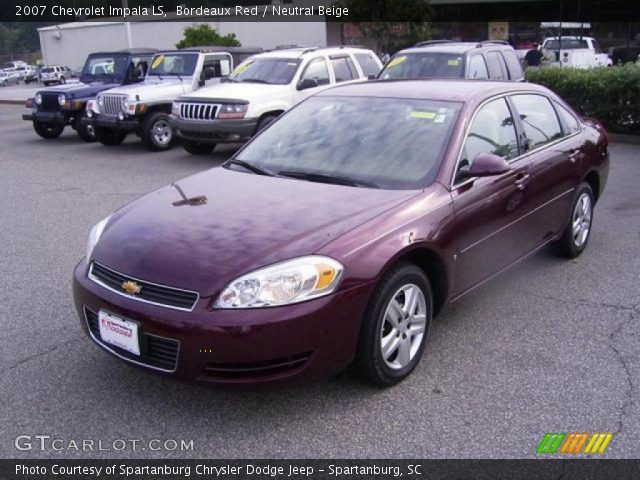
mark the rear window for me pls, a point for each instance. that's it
(513, 65)
(367, 63)
(424, 65)
(47, 70)
(567, 43)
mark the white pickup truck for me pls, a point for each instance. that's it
(572, 51)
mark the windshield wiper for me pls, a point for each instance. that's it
(159, 76)
(228, 79)
(326, 178)
(255, 80)
(251, 167)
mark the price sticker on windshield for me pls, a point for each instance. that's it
(157, 61)
(242, 67)
(397, 61)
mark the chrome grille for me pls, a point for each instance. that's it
(198, 111)
(112, 105)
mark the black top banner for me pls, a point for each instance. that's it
(61, 11)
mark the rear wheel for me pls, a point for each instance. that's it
(156, 132)
(197, 148)
(109, 137)
(62, 81)
(576, 235)
(47, 130)
(46, 84)
(85, 132)
(395, 326)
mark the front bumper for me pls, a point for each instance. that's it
(253, 346)
(214, 131)
(128, 124)
(62, 117)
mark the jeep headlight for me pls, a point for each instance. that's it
(284, 283)
(62, 99)
(232, 110)
(38, 98)
(125, 103)
(101, 101)
(94, 236)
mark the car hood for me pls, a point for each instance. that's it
(249, 221)
(80, 90)
(250, 92)
(153, 88)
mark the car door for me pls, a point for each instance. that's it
(488, 210)
(553, 154)
(316, 70)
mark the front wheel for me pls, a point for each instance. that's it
(156, 132)
(85, 132)
(47, 130)
(62, 81)
(395, 326)
(109, 137)
(576, 235)
(197, 148)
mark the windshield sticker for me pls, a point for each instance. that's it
(242, 67)
(423, 115)
(157, 61)
(397, 61)
(454, 62)
(439, 119)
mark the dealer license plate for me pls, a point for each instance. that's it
(119, 332)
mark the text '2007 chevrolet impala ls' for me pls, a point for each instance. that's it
(340, 231)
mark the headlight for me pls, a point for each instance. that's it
(101, 101)
(125, 103)
(94, 236)
(284, 283)
(232, 111)
(39, 98)
(61, 99)
(175, 109)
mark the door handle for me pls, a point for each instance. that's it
(522, 179)
(574, 153)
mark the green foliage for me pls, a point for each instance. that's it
(610, 95)
(203, 34)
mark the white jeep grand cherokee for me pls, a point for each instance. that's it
(260, 89)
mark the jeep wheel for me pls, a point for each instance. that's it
(46, 84)
(85, 132)
(62, 81)
(47, 130)
(197, 148)
(109, 137)
(156, 132)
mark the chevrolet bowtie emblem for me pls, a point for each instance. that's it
(131, 287)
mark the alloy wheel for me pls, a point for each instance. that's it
(581, 220)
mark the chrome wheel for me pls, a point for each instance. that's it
(91, 131)
(581, 220)
(403, 326)
(162, 132)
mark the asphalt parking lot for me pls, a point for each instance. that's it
(551, 346)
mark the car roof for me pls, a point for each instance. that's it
(298, 52)
(446, 46)
(447, 90)
(130, 51)
(218, 48)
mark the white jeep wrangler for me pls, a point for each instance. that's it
(260, 89)
(144, 108)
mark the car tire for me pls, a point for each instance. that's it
(46, 84)
(5, 83)
(48, 131)
(108, 137)
(62, 81)
(85, 132)
(576, 235)
(389, 347)
(265, 122)
(197, 148)
(156, 132)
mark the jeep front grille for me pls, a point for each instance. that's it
(50, 102)
(112, 105)
(198, 111)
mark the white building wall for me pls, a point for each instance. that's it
(69, 44)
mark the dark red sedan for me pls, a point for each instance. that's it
(339, 232)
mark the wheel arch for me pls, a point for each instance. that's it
(593, 179)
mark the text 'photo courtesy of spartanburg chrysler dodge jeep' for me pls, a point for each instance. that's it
(262, 88)
(144, 109)
(54, 108)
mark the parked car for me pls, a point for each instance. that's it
(56, 107)
(490, 60)
(8, 78)
(339, 232)
(144, 108)
(572, 51)
(14, 65)
(30, 74)
(262, 88)
(624, 54)
(55, 74)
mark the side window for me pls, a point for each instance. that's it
(478, 68)
(538, 118)
(317, 70)
(497, 68)
(513, 64)
(138, 68)
(343, 69)
(570, 121)
(367, 63)
(218, 64)
(492, 131)
(596, 47)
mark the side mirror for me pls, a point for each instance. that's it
(209, 73)
(307, 83)
(485, 165)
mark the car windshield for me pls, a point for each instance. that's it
(177, 64)
(567, 44)
(106, 65)
(276, 71)
(387, 142)
(424, 65)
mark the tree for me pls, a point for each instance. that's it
(203, 34)
(391, 24)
